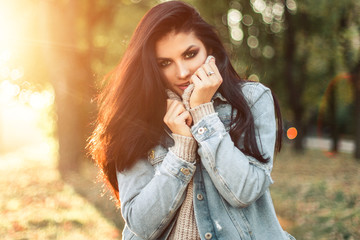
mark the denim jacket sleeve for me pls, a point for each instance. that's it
(150, 196)
(239, 178)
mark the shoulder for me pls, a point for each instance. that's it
(254, 91)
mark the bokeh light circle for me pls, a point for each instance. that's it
(291, 133)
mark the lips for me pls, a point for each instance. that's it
(183, 86)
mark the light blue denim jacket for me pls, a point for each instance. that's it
(231, 190)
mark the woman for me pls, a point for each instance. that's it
(185, 145)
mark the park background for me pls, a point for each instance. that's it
(54, 54)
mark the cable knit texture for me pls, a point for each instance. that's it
(186, 96)
(201, 111)
(185, 227)
(172, 95)
(184, 147)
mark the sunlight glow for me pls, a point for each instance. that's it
(247, 20)
(4, 72)
(254, 78)
(270, 12)
(291, 5)
(253, 42)
(268, 52)
(8, 91)
(267, 15)
(278, 9)
(16, 74)
(234, 18)
(237, 34)
(5, 56)
(275, 27)
(259, 5)
(41, 100)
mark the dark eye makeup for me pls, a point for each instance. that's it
(188, 54)
(164, 63)
(191, 53)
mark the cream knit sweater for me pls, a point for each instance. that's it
(185, 147)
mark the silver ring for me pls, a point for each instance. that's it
(210, 73)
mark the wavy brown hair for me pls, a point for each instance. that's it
(133, 104)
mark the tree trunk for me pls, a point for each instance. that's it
(69, 76)
(294, 92)
(356, 83)
(334, 133)
(333, 123)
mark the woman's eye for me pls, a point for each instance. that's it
(164, 63)
(190, 54)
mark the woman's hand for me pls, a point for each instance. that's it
(207, 80)
(177, 118)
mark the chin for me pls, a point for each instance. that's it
(177, 91)
(180, 92)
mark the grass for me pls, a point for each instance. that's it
(316, 195)
(35, 202)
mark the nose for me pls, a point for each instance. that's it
(183, 71)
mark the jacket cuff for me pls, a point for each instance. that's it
(185, 147)
(201, 111)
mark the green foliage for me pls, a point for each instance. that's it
(326, 43)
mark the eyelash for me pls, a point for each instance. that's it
(188, 55)
(191, 54)
(164, 64)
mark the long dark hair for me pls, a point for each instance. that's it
(133, 104)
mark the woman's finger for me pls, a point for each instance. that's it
(202, 75)
(215, 69)
(175, 109)
(210, 74)
(178, 119)
(171, 104)
(196, 80)
(168, 103)
(187, 117)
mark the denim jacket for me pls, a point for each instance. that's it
(231, 190)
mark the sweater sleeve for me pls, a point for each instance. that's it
(201, 111)
(184, 147)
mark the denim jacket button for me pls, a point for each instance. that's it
(152, 154)
(208, 235)
(185, 171)
(200, 197)
(201, 130)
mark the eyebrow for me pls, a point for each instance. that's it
(191, 46)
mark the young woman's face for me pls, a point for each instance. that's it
(179, 55)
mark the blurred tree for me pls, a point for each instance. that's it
(292, 46)
(78, 46)
(350, 40)
(70, 74)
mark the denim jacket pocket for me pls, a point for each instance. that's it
(157, 154)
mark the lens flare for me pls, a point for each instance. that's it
(291, 133)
